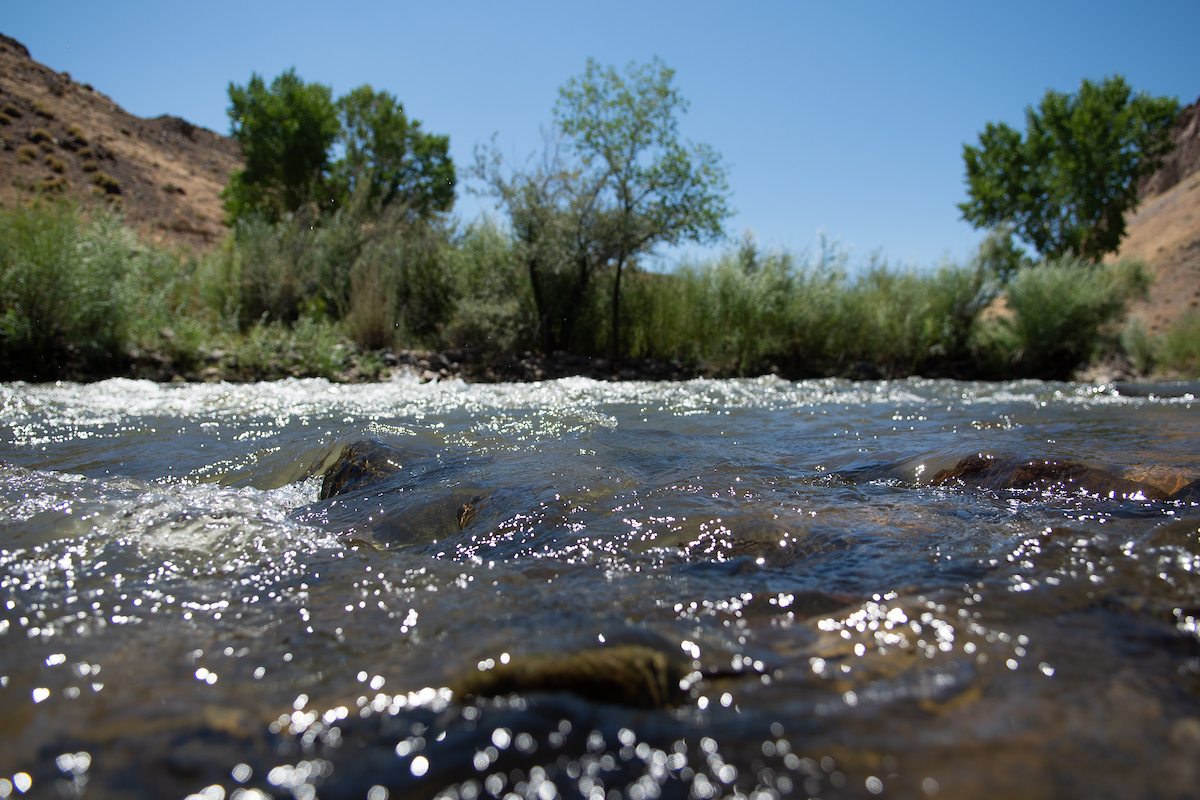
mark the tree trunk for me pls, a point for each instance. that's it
(614, 346)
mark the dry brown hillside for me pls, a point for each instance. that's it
(61, 137)
(1164, 230)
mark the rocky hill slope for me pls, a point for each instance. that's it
(1164, 230)
(61, 137)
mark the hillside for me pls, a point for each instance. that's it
(67, 138)
(1164, 230)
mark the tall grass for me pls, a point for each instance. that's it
(781, 312)
(58, 307)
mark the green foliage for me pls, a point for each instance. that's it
(389, 159)
(640, 183)
(57, 274)
(494, 309)
(1139, 346)
(285, 133)
(1180, 348)
(748, 312)
(308, 348)
(620, 184)
(384, 276)
(1059, 310)
(1066, 184)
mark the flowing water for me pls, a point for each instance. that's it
(181, 614)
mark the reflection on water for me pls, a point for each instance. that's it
(580, 589)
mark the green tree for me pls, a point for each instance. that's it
(1065, 185)
(638, 185)
(389, 158)
(285, 133)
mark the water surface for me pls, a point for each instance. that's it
(180, 614)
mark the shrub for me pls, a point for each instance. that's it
(109, 184)
(26, 153)
(57, 275)
(12, 111)
(5, 119)
(89, 166)
(493, 307)
(1060, 309)
(56, 164)
(42, 110)
(1139, 346)
(39, 135)
(1180, 348)
(56, 184)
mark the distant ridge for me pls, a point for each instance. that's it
(63, 138)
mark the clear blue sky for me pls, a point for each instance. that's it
(846, 117)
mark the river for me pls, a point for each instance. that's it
(838, 611)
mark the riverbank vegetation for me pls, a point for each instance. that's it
(83, 297)
(341, 251)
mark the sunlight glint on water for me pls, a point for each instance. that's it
(180, 613)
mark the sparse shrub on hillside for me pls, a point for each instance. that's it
(56, 164)
(1180, 348)
(5, 119)
(104, 181)
(89, 166)
(55, 183)
(76, 134)
(42, 110)
(1139, 346)
(39, 135)
(26, 153)
(12, 111)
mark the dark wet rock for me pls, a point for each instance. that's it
(1189, 493)
(371, 484)
(1017, 473)
(634, 675)
(361, 463)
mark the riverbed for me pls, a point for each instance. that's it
(840, 612)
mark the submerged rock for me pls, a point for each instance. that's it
(629, 675)
(1016, 473)
(372, 480)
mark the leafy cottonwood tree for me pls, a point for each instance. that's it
(1066, 184)
(285, 133)
(631, 186)
(288, 130)
(389, 158)
(640, 184)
